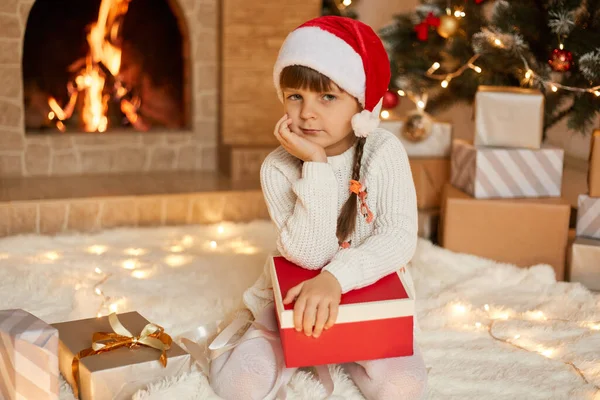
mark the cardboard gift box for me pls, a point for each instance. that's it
(487, 172)
(436, 144)
(119, 373)
(428, 223)
(373, 322)
(28, 357)
(507, 116)
(594, 165)
(524, 232)
(429, 176)
(584, 265)
(588, 216)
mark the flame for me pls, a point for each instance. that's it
(102, 39)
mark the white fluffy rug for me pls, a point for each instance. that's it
(182, 281)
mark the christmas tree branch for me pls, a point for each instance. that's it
(558, 116)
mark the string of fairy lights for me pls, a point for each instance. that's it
(491, 316)
(175, 259)
(529, 76)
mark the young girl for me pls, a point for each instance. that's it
(331, 75)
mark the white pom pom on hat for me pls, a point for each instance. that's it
(349, 53)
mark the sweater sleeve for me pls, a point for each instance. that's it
(304, 210)
(394, 237)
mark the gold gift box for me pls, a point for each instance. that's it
(119, 373)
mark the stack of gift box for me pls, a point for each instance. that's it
(101, 358)
(503, 200)
(429, 158)
(584, 263)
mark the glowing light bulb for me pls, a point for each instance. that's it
(113, 308)
(52, 255)
(445, 83)
(401, 93)
(421, 104)
(130, 264)
(97, 249)
(347, 3)
(478, 324)
(517, 336)
(554, 88)
(135, 252)
(221, 229)
(498, 42)
(459, 308)
(176, 249)
(213, 244)
(547, 352)
(98, 291)
(98, 270)
(139, 274)
(540, 315)
(486, 307)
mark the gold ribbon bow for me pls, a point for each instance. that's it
(102, 342)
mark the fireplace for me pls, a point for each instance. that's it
(108, 86)
(102, 65)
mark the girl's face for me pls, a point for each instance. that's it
(322, 118)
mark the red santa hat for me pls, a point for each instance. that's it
(349, 53)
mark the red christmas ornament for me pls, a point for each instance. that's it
(391, 99)
(479, 1)
(422, 28)
(561, 60)
(432, 20)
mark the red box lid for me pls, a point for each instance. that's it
(386, 298)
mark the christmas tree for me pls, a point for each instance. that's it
(445, 49)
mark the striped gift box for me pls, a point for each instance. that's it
(588, 216)
(500, 172)
(28, 357)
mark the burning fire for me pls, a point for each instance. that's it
(102, 63)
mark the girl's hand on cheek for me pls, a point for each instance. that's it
(296, 145)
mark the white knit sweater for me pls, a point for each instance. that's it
(305, 199)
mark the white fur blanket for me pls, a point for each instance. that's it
(188, 282)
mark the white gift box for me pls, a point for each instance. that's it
(509, 117)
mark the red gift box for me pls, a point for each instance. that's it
(373, 322)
